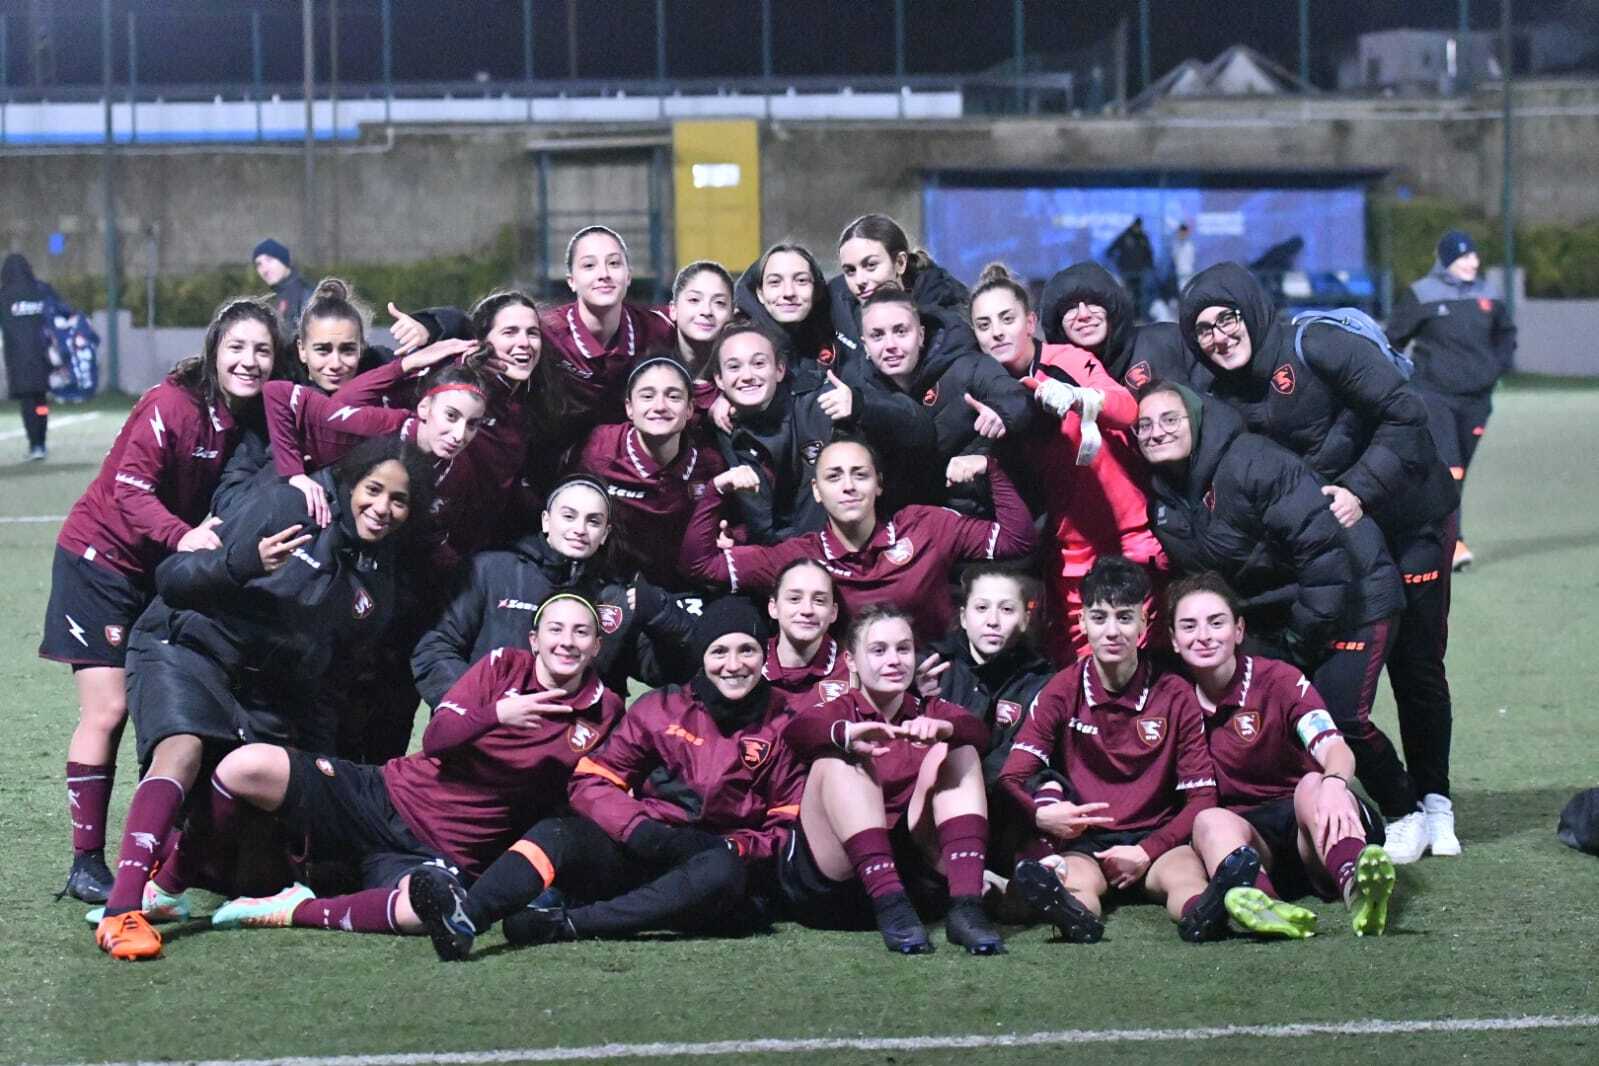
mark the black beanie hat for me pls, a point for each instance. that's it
(1453, 245)
(730, 614)
(275, 249)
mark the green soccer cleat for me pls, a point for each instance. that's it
(262, 912)
(157, 906)
(1257, 912)
(1372, 887)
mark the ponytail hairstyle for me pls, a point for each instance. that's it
(998, 276)
(818, 282)
(889, 294)
(373, 452)
(571, 245)
(463, 376)
(335, 298)
(694, 270)
(888, 233)
(198, 373)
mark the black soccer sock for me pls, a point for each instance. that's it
(709, 882)
(510, 883)
(35, 418)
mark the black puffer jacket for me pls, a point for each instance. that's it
(1464, 337)
(808, 341)
(1254, 512)
(951, 366)
(1000, 691)
(1343, 407)
(782, 442)
(494, 606)
(273, 638)
(1133, 355)
(933, 289)
(24, 300)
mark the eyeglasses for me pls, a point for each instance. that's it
(1227, 322)
(1144, 428)
(1082, 309)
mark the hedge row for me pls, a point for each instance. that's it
(1561, 262)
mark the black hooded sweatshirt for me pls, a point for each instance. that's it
(933, 289)
(1133, 355)
(1254, 512)
(1344, 407)
(810, 340)
(494, 606)
(1000, 692)
(24, 300)
(782, 443)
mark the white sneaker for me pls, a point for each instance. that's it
(1440, 815)
(1407, 838)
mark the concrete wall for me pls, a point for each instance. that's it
(409, 193)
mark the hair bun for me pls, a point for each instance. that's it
(995, 272)
(332, 289)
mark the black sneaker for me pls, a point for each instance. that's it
(1041, 890)
(89, 880)
(1208, 919)
(440, 901)
(539, 925)
(900, 925)
(967, 925)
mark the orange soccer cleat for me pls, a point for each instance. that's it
(128, 936)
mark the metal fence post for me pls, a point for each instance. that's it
(257, 65)
(133, 79)
(113, 296)
(1507, 205)
(388, 63)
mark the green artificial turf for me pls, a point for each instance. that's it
(1508, 929)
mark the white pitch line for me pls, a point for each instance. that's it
(61, 422)
(30, 519)
(593, 1052)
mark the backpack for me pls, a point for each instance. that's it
(1351, 320)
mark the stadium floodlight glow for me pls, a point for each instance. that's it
(716, 175)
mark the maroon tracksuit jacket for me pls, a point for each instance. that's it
(476, 785)
(651, 503)
(598, 372)
(824, 679)
(906, 562)
(1264, 731)
(155, 483)
(1141, 750)
(815, 734)
(746, 784)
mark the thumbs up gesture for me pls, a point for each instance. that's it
(984, 420)
(838, 402)
(408, 333)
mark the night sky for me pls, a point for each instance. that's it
(187, 41)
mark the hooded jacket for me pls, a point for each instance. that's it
(811, 339)
(999, 692)
(1254, 512)
(1464, 337)
(1133, 355)
(1343, 407)
(782, 443)
(494, 607)
(933, 289)
(951, 366)
(24, 302)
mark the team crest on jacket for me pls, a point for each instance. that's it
(1486, 304)
(754, 751)
(1282, 379)
(1247, 725)
(326, 767)
(930, 397)
(363, 603)
(1139, 374)
(610, 616)
(831, 690)
(114, 635)
(582, 736)
(1006, 712)
(826, 357)
(812, 451)
(899, 553)
(1152, 731)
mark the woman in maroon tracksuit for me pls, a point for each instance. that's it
(905, 560)
(149, 500)
(895, 786)
(804, 662)
(598, 338)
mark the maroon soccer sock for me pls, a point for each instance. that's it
(88, 802)
(1340, 861)
(873, 857)
(151, 815)
(1263, 882)
(1193, 901)
(371, 911)
(963, 842)
(176, 870)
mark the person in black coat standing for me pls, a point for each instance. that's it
(23, 303)
(1324, 597)
(276, 267)
(1333, 397)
